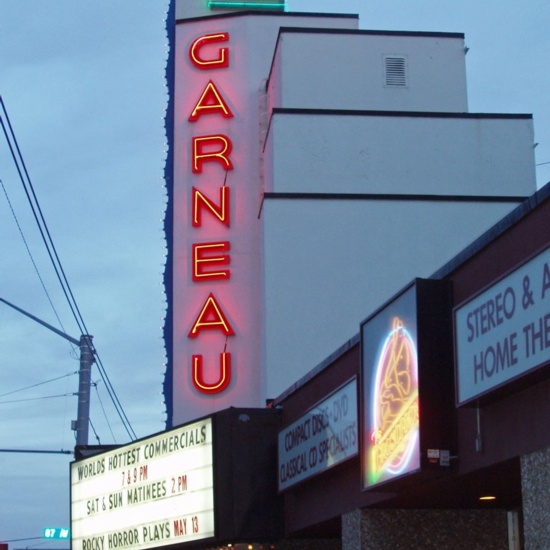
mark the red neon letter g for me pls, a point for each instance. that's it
(218, 62)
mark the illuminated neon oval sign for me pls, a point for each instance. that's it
(394, 430)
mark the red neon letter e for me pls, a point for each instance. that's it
(210, 255)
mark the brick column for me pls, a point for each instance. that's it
(535, 488)
(351, 530)
(425, 530)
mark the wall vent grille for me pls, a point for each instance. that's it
(395, 70)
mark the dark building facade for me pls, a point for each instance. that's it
(494, 490)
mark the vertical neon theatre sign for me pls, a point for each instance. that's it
(216, 290)
(210, 260)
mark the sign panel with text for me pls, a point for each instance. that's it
(324, 437)
(155, 492)
(56, 533)
(504, 332)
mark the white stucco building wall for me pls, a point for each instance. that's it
(364, 70)
(368, 185)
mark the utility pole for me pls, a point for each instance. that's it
(81, 424)
(84, 383)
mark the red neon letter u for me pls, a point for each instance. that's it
(223, 380)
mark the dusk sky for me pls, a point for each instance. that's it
(83, 85)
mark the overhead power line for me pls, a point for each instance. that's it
(37, 398)
(39, 217)
(53, 255)
(30, 254)
(104, 413)
(19, 540)
(38, 384)
(35, 451)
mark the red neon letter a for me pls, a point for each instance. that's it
(211, 317)
(210, 102)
